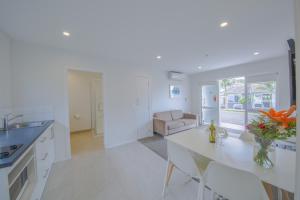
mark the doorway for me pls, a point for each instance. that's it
(85, 111)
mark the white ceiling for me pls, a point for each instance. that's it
(181, 31)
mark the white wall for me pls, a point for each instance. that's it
(40, 79)
(79, 87)
(5, 74)
(297, 8)
(279, 65)
(161, 100)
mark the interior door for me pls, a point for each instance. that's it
(210, 104)
(143, 118)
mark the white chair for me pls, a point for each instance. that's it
(247, 136)
(233, 184)
(191, 165)
(222, 131)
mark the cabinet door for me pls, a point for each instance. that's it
(42, 163)
(42, 154)
(51, 146)
(42, 146)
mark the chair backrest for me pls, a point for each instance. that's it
(234, 184)
(247, 137)
(183, 159)
(222, 130)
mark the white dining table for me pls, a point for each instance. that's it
(236, 153)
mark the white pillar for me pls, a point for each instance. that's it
(297, 10)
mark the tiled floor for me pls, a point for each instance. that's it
(128, 172)
(85, 142)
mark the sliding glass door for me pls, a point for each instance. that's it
(241, 98)
(232, 103)
(235, 102)
(261, 95)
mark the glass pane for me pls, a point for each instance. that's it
(209, 103)
(208, 115)
(209, 96)
(232, 103)
(261, 96)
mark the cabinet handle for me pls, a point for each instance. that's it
(46, 173)
(45, 157)
(52, 133)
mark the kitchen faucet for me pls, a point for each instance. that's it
(6, 120)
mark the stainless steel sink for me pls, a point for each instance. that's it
(27, 125)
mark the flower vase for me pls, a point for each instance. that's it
(264, 153)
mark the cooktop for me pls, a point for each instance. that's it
(7, 151)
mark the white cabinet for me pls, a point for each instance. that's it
(51, 146)
(44, 148)
(27, 177)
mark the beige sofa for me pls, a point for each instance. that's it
(169, 122)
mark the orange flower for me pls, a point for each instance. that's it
(282, 117)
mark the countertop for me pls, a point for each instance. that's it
(24, 136)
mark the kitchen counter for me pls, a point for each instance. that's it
(25, 136)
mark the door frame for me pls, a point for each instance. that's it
(67, 118)
(93, 100)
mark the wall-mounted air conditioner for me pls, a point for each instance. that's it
(177, 76)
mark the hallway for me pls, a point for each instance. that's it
(85, 142)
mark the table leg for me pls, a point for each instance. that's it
(285, 195)
(168, 176)
(170, 171)
(269, 190)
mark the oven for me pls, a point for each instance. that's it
(22, 176)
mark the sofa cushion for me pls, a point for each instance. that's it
(189, 121)
(166, 116)
(176, 114)
(175, 124)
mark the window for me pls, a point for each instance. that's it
(241, 98)
(235, 102)
(232, 103)
(261, 95)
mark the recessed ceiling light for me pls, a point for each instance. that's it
(65, 33)
(256, 53)
(200, 67)
(158, 57)
(223, 24)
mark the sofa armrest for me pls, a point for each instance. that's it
(160, 126)
(190, 116)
